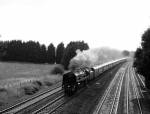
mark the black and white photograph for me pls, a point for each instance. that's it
(74, 57)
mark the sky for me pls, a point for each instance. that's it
(117, 24)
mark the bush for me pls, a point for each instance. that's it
(32, 87)
(47, 83)
(30, 90)
(58, 69)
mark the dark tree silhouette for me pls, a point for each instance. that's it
(51, 54)
(70, 51)
(31, 51)
(59, 52)
(42, 54)
(142, 58)
(3, 47)
(16, 50)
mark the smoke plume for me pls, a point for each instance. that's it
(93, 57)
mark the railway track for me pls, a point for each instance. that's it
(110, 100)
(48, 105)
(52, 106)
(126, 110)
(126, 95)
(29, 103)
(139, 78)
(137, 94)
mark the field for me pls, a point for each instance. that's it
(16, 78)
(25, 70)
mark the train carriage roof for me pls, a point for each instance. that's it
(107, 63)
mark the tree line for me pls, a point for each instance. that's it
(31, 51)
(142, 58)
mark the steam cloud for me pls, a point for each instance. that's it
(93, 57)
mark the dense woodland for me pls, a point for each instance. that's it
(142, 58)
(31, 51)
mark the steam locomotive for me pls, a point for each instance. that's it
(73, 80)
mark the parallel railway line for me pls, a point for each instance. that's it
(132, 92)
(49, 104)
(136, 91)
(40, 103)
(114, 107)
(103, 107)
(139, 78)
(127, 93)
(52, 106)
(17, 108)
